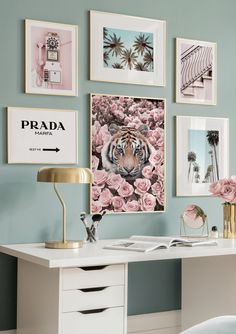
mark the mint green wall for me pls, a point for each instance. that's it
(29, 212)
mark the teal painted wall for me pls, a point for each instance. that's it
(30, 212)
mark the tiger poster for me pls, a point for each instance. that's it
(127, 154)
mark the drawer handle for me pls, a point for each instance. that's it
(99, 310)
(93, 268)
(93, 289)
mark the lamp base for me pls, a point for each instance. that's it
(69, 244)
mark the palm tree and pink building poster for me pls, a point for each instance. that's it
(127, 49)
(202, 153)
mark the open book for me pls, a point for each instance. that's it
(148, 243)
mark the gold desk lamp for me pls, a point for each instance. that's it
(64, 175)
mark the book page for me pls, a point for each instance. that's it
(172, 241)
(136, 245)
(168, 241)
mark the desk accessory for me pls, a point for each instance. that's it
(194, 222)
(64, 175)
(92, 235)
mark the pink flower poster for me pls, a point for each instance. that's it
(128, 154)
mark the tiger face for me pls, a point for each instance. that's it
(127, 152)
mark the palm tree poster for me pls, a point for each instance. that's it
(127, 49)
(202, 153)
(203, 156)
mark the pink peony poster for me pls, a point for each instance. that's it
(128, 154)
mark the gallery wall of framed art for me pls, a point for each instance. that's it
(129, 50)
(28, 211)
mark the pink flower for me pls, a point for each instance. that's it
(157, 158)
(100, 135)
(105, 197)
(119, 114)
(96, 191)
(157, 188)
(114, 180)
(215, 188)
(121, 99)
(132, 206)
(148, 202)
(95, 162)
(96, 207)
(225, 188)
(159, 171)
(142, 186)
(125, 189)
(100, 177)
(147, 172)
(228, 192)
(113, 107)
(161, 198)
(144, 118)
(156, 138)
(118, 203)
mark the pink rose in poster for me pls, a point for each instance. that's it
(148, 202)
(118, 203)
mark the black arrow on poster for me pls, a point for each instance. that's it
(51, 149)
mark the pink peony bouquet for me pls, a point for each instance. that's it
(225, 189)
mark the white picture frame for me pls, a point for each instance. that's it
(145, 64)
(196, 72)
(199, 163)
(51, 58)
(41, 136)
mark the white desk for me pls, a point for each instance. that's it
(52, 285)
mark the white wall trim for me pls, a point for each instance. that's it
(155, 323)
(152, 323)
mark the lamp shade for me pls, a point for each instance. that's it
(64, 175)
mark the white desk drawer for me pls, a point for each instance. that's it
(109, 321)
(89, 299)
(79, 278)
